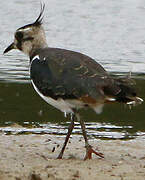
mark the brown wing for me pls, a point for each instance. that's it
(70, 75)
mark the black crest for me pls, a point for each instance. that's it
(38, 21)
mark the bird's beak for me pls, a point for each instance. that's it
(10, 47)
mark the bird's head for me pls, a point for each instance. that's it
(29, 37)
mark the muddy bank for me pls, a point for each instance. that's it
(30, 157)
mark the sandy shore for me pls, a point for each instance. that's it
(30, 157)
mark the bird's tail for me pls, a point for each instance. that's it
(123, 91)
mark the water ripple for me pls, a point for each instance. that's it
(94, 130)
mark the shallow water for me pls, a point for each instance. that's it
(112, 32)
(23, 111)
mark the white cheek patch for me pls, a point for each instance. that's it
(26, 47)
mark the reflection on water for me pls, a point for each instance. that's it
(112, 33)
(14, 69)
(94, 130)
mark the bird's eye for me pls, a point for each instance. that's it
(28, 39)
(19, 36)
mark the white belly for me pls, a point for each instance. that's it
(59, 103)
(66, 106)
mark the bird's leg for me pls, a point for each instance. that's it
(89, 149)
(70, 128)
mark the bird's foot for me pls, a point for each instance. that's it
(90, 151)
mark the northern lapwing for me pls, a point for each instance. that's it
(69, 80)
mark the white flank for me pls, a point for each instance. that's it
(59, 103)
(99, 108)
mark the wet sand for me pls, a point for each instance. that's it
(30, 157)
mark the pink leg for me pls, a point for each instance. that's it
(70, 128)
(89, 149)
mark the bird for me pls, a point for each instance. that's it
(70, 80)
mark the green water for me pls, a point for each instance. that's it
(20, 104)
